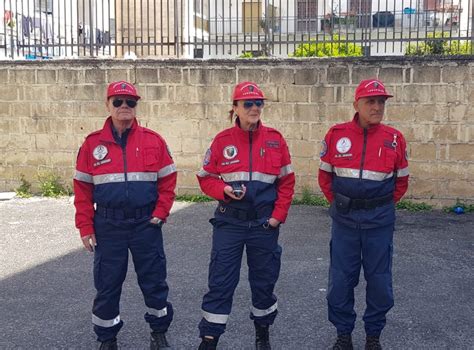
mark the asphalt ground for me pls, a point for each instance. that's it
(46, 288)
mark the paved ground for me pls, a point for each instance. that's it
(46, 284)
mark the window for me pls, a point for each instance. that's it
(307, 13)
(44, 6)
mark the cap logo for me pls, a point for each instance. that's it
(376, 85)
(251, 87)
(123, 86)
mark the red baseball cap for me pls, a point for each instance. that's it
(247, 90)
(122, 88)
(371, 87)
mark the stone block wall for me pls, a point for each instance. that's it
(49, 107)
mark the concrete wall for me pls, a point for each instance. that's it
(49, 107)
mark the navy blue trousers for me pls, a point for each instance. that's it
(350, 249)
(145, 242)
(263, 260)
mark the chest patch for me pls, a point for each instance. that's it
(230, 152)
(272, 144)
(100, 152)
(343, 145)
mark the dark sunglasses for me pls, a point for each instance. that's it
(249, 104)
(130, 103)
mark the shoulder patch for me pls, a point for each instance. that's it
(207, 157)
(324, 149)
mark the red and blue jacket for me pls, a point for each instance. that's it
(134, 175)
(364, 164)
(258, 159)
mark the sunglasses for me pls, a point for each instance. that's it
(249, 104)
(130, 103)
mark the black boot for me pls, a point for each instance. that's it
(158, 341)
(262, 337)
(109, 345)
(208, 344)
(343, 342)
(372, 343)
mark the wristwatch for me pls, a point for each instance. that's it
(157, 221)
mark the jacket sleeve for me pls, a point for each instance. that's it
(325, 173)
(401, 183)
(167, 177)
(209, 179)
(83, 193)
(285, 185)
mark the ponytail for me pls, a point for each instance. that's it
(232, 113)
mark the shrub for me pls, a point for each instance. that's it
(338, 47)
(439, 44)
(24, 190)
(51, 186)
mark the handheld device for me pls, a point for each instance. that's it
(237, 190)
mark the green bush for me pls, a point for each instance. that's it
(338, 47)
(51, 186)
(412, 206)
(24, 190)
(307, 198)
(195, 198)
(246, 54)
(439, 44)
(468, 208)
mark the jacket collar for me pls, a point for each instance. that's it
(106, 132)
(245, 133)
(360, 130)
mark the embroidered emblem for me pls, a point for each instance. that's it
(207, 157)
(343, 145)
(100, 152)
(230, 152)
(324, 149)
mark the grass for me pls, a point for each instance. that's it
(24, 190)
(412, 206)
(308, 198)
(194, 198)
(51, 186)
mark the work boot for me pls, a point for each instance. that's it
(158, 341)
(262, 337)
(343, 342)
(109, 345)
(372, 342)
(208, 344)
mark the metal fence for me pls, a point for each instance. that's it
(45, 29)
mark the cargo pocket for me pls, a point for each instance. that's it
(151, 159)
(97, 268)
(273, 162)
(390, 159)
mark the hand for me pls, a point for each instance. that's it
(273, 222)
(156, 221)
(230, 192)
(89, 242)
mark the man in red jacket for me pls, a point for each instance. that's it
(124, 189)
(363, 173)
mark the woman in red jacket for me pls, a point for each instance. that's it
(248, 170)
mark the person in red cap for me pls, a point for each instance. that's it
(124, 189)
(248, 170)
(363, 173)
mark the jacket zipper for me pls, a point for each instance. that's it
(363, 155)
(250, 155)
(124, 155)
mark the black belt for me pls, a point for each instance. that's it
(128, 213)
(372, 202)
(243, 214)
